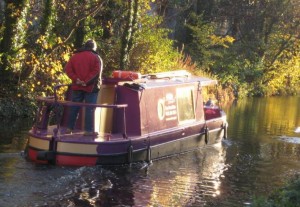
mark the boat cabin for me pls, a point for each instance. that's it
(154, 103)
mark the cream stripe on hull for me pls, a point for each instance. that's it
(38, 143)
(64, 147)
(77, 148)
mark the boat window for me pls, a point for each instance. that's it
(185, 104)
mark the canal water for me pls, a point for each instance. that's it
(261, 154)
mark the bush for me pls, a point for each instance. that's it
(288, 196)
(10, 108)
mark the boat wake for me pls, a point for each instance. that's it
(294, 140)
(9, 155)
(227, 142)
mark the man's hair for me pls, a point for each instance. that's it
(90, 45)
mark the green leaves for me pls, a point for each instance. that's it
(249, 46)
(288, 196)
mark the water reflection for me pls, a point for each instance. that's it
(181, 181)
(184, 179)
(294, 140)
(265, 116)
(260, 160)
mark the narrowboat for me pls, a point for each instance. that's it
(138, 118)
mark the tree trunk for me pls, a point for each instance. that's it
(46, 17)
(13, 11)
(128, 35)
(80, 31)
(79, 34)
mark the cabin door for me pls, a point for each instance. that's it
(104, 116)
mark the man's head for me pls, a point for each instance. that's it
(90, 45)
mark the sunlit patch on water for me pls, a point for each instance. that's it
(294, 140)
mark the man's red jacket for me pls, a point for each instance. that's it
(85, 66)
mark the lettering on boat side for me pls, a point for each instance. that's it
(166, 108)
(161, 109)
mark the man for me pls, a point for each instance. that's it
(84, 69)
(209, 103)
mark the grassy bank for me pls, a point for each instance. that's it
(287, 196)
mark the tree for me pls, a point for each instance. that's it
(264, 31)
(13, 12)
(129, 32)
(250, 45)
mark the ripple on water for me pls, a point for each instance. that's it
(289, 139)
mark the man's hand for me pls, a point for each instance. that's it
(80, 82)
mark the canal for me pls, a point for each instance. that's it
(260, 155)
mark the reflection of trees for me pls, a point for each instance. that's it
(279, 151)
(260, 161)
(274, 116)
(182, 180)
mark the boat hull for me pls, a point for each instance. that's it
(68, 153)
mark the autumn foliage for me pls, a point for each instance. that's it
(248, 48)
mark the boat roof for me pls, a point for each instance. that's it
(202, 81)
(163, 79)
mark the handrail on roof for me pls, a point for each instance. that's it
(51, 99)
(54, 99)
(208, 82)
(170, 74)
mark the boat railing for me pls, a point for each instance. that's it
(51, 100)
(52, 103)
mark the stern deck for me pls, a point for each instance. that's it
(76, 136)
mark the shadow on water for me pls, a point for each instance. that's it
(260, 155)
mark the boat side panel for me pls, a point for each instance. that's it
(184, 145)
(131, 97)
(106, 148)
(173, 147)
(177, 133)
(177, 146)
(113, 159)
(214, 124)
(75, 160)
(215, 136)
(158, 109)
